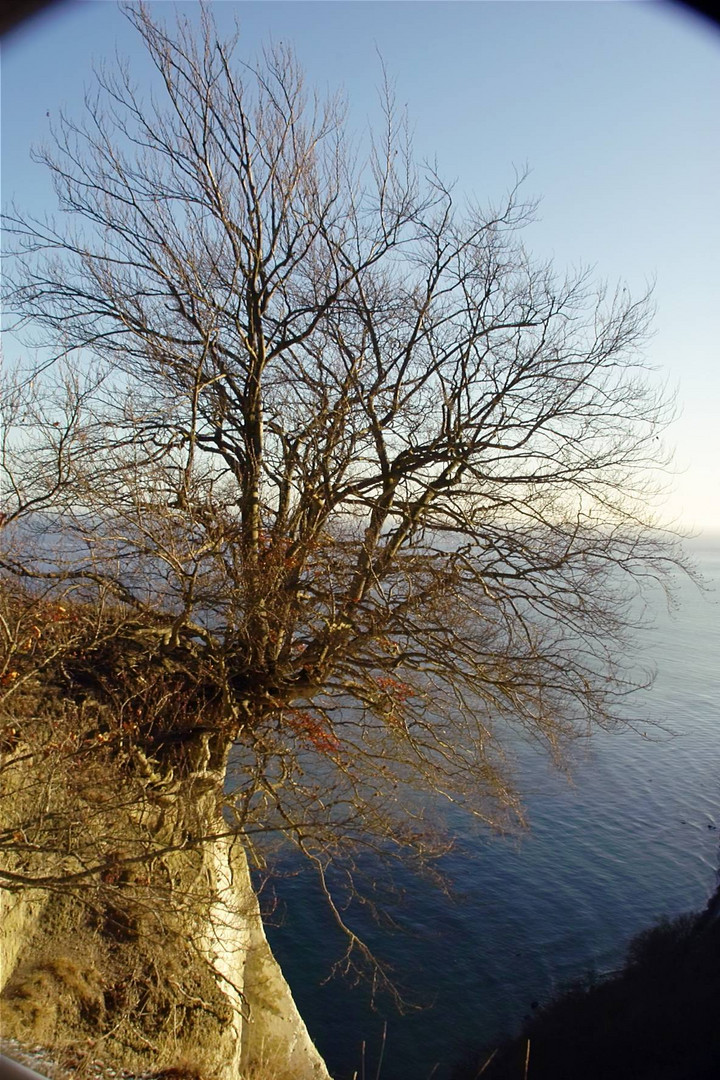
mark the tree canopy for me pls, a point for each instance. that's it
(331, 468)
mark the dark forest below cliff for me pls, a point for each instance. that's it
(656, 1019)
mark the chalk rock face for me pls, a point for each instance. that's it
(271, 1032)
(163, 966)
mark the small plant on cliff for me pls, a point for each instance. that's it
(344, 485)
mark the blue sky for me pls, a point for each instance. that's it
(613, 106)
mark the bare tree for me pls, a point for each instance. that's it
(354, 479)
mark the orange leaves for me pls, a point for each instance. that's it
(34, 635)
(39, 620)
(397, 689)
(112, 874)
(274, 550)
(66, 743)
(312, 730)
(395, 694)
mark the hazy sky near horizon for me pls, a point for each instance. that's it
(613, 107)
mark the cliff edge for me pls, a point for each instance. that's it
(166, 967)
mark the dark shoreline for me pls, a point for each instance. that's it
(655, 1019)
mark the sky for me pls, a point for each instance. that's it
(613, 107)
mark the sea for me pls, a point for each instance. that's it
(630, 837)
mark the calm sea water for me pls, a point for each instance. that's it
(633, 838)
